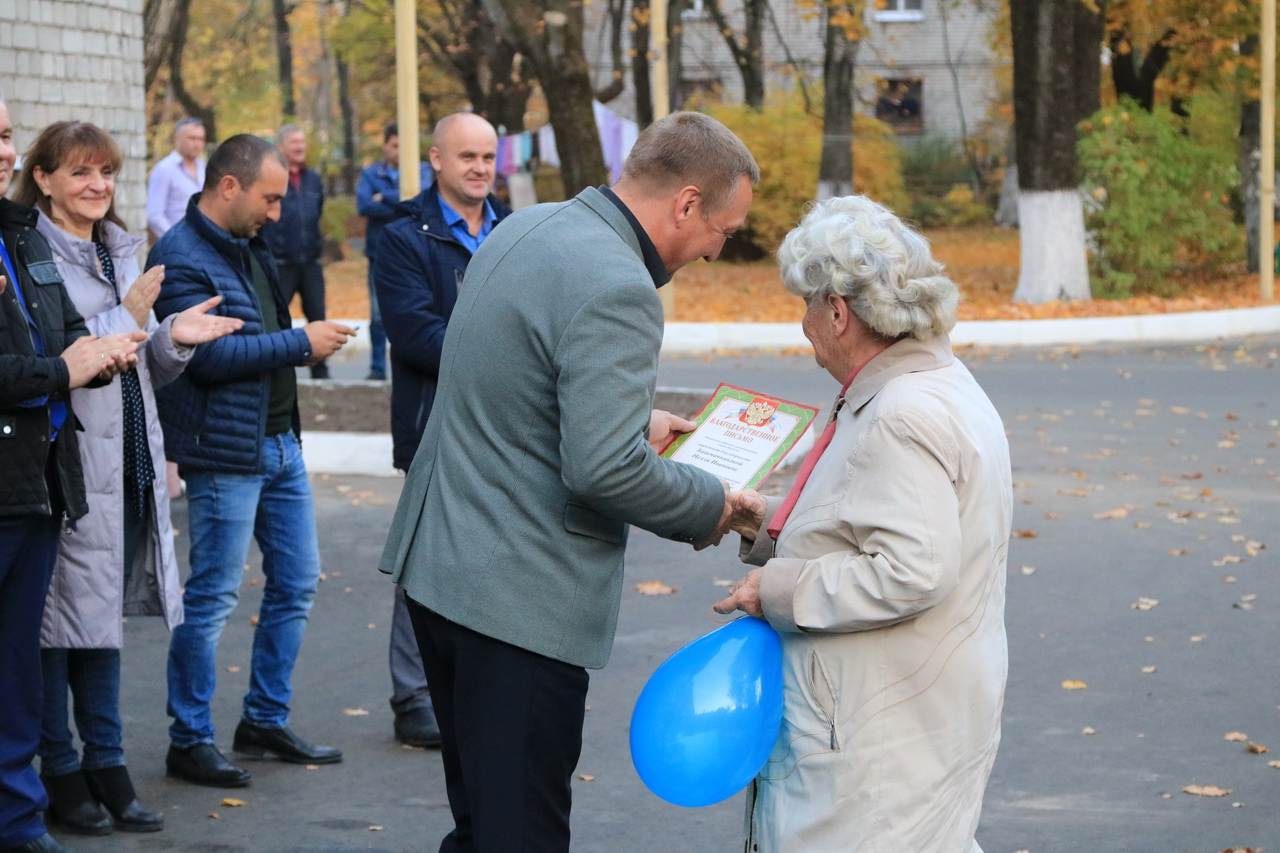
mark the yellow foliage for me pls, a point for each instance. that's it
(787, 143)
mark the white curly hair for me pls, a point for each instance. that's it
(859, 250)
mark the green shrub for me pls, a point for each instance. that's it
(787, 143)
(335, 221)
(1159, 200)
(937, 177)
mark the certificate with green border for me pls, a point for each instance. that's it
(742, 435)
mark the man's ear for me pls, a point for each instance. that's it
(227, 187)
(686, 203)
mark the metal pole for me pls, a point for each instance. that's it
(407, 96)
(660, 92)
(1267, 184)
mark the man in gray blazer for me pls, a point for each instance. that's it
(509, 535)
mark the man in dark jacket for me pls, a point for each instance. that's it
(231, 423)
(377, 194)
(422, 258)
(45, 351)
(295, 240)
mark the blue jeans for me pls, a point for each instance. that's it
(224, 511)
(377, 332)
(93, 676)
(28, 548)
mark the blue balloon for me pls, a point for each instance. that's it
(708, 718)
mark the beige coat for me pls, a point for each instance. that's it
(887, 588)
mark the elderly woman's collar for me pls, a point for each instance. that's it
(908, 355)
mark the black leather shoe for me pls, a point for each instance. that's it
(418, 728)
(44, 844)
(112, 787)
(72, 807)
(280, 742)
(203, 764)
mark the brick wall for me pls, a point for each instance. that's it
(61, 59)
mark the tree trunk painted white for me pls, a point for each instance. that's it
(834, 189)
(1054, 265)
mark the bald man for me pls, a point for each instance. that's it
(422, 256)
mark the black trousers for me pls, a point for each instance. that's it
(511, 723)
(307, 279)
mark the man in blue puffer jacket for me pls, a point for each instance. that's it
(422, 257)
(231, 423)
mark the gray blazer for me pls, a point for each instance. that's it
(87, 596)
(513, 520)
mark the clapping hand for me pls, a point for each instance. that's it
(91, 357)
(142, 295)
(197, 326)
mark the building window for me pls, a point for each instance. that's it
(899, 10)
(899, 103)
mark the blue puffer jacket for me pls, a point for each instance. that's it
(214, 414)
(296, 238)
(420, 266)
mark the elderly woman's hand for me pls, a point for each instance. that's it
(748, 514)
(744, 596)
(142, 295)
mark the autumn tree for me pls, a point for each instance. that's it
(549, 34)
(747, 48)
(1057, 73)
(280, 10)
(842, 27)
(166, 25)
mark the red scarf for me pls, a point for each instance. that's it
(810, 461)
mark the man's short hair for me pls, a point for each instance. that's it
(240, 157)
(285, 131)
(688, 148)
(392, 129)
(189, 121)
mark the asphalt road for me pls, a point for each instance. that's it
(1149, 480)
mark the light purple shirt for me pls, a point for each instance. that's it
(168, 192)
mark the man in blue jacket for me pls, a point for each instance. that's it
(231, 423)
(296, 241)
(422, 257)
(377, 194)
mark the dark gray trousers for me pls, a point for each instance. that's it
(408, 678)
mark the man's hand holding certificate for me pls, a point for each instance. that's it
(741, 435)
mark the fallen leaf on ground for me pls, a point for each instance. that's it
(1178, 552)
(355, 712)
(1111, 514)
(253, 620)
(215, 816)
(312, 767)
(1028, 570)
(1145, 603)
(1088, 730)
(1235, 737)
(375, 828)
(1256, 748)
(1073, 684)
(586, 777)
(722, 582)
(1025, 534)
(1206, 790)
(233, 669)
(232, 802)
(1275, 764)
(654, 588)
(1147, 670)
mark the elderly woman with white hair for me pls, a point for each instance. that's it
(883, 569)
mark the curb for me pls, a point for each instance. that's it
(368, 454)
(1182, 327)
